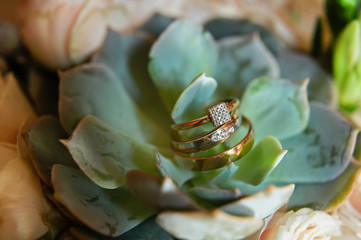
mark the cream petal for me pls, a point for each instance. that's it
(305, 224)
(45, 32)
(22, 204)
(88, 32)
(7, 152)
(14, 109)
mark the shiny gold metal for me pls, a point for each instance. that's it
(221, 159)
(209, 140)
(231, 105)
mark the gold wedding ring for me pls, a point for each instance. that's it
(195, 152)
(215, 137)
(221, 159)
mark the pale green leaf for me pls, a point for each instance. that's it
(226, 27)
(127, 56)
(276, 107)
(193, 100)
(158, 193)
(182, 52)
(147, 230)
(168, 168)
(156, 24)
(326, 196)
(109, 212)
(105, 155)
(259, 162)
(242, 59)
(216, 195)
(45, 148)
(320, 153)
(94, 89)
(298, 66)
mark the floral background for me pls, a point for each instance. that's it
(89, 89)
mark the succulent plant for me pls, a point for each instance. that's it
(113, 169)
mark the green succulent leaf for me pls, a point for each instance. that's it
(341, 12)
(320, 153)
(245, 188)
(242, 59)
(158, 193)
(223, 27)
(56, 222)
(276, 107)
(43, 88)
(214, 176)
(193, 100)
(157, 24)
(357, 151)
(45, 148)
(326, 196)
(208, 225)
(95, 89)
(109, 212)
(215, 195)
(259, 162)
(298, 66)
(105, 155)
(170, 169)
(180, 53)
(147, 230)
(224, 175)
(261, 204)
(347, 66)
(127, 56)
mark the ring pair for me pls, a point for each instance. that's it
(206, 152)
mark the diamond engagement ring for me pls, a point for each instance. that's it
(206, 152)
(217, 114)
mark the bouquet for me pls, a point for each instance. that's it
(180, 120)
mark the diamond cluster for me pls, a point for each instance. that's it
(219, 114)
(223, 133)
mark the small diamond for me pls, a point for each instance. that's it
(216, 137)
(222, 133)
(219, 114)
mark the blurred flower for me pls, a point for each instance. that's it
(292, 21)
(61, 33)
(23, 206)
(349, 214)
(14, 109)
(303, 224)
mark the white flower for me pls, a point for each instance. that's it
(349, 213)
(61, 33)
(305, 224)
(351, 220)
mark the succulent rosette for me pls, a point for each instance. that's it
(113, 168)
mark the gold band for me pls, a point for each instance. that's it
(209, 140)
(223, 158)
(231, 104)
